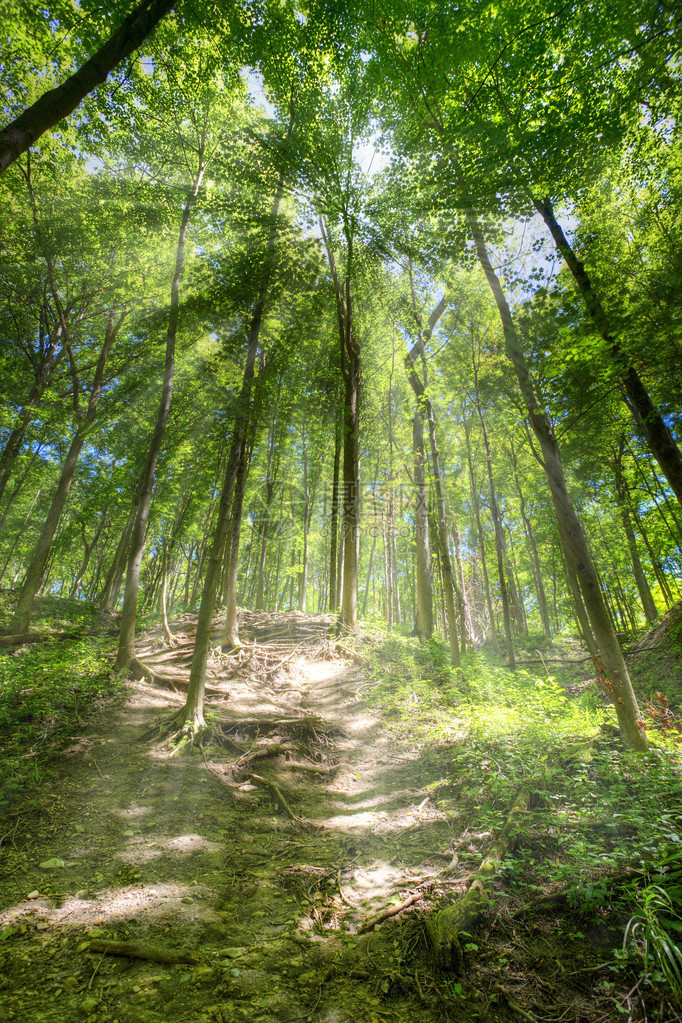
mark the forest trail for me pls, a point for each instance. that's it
(263, 857)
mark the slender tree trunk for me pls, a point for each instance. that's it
(479, 529)
(448, 582)
(610, 664)
(352, 379)
(36, 569)
(303, 578)
(22, 480)
(655, 563)
(535, 560)
(192, 714)
(333, 552)
(657, 435)
(645, 594)
(88, 548)
(466, 630)
(499, 536)
(370, 566)
(58, 103)
(112, 584)
(231, 639)
(167, 634)
(18, 537)
(126, 642)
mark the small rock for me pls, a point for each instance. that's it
(54, 864)
(187, 900)
(33, 895)
(231, 953)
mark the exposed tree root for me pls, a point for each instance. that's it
(390, 911)
(140, 670)
(277, 792)
(135, 951)
(178, 732)
(314, 723)
(444, 927)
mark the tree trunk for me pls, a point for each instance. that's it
(466, 630)
(535, 560)
(17, 489)
(303, 578)
(231, 639)
(114, 579)
(58, 103)
(655, 563)
(17, 538)
(126, 642)
(352, 379)
(479, 529)
(334, 528)
(657, 435)
(192, 713)
(499, 536)
(36, 569)
(610, 665)
(88, 548)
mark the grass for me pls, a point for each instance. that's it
(606, 824)
(48, 691)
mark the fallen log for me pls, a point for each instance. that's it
(445, 926)
(135, 951)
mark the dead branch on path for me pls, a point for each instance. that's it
(259, 780)
(390, 911)
(445, 926)
(136, 951)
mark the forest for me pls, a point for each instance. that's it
(341, 377)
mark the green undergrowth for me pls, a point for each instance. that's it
(48, 691)
(605, 827)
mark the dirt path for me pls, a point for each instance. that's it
(263, 858)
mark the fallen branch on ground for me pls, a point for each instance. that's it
(390, 911)
(445, 926)
(129, 948)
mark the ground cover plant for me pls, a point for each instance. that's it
(49, 690)
(602, 840)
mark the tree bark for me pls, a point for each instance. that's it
(55, 104)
